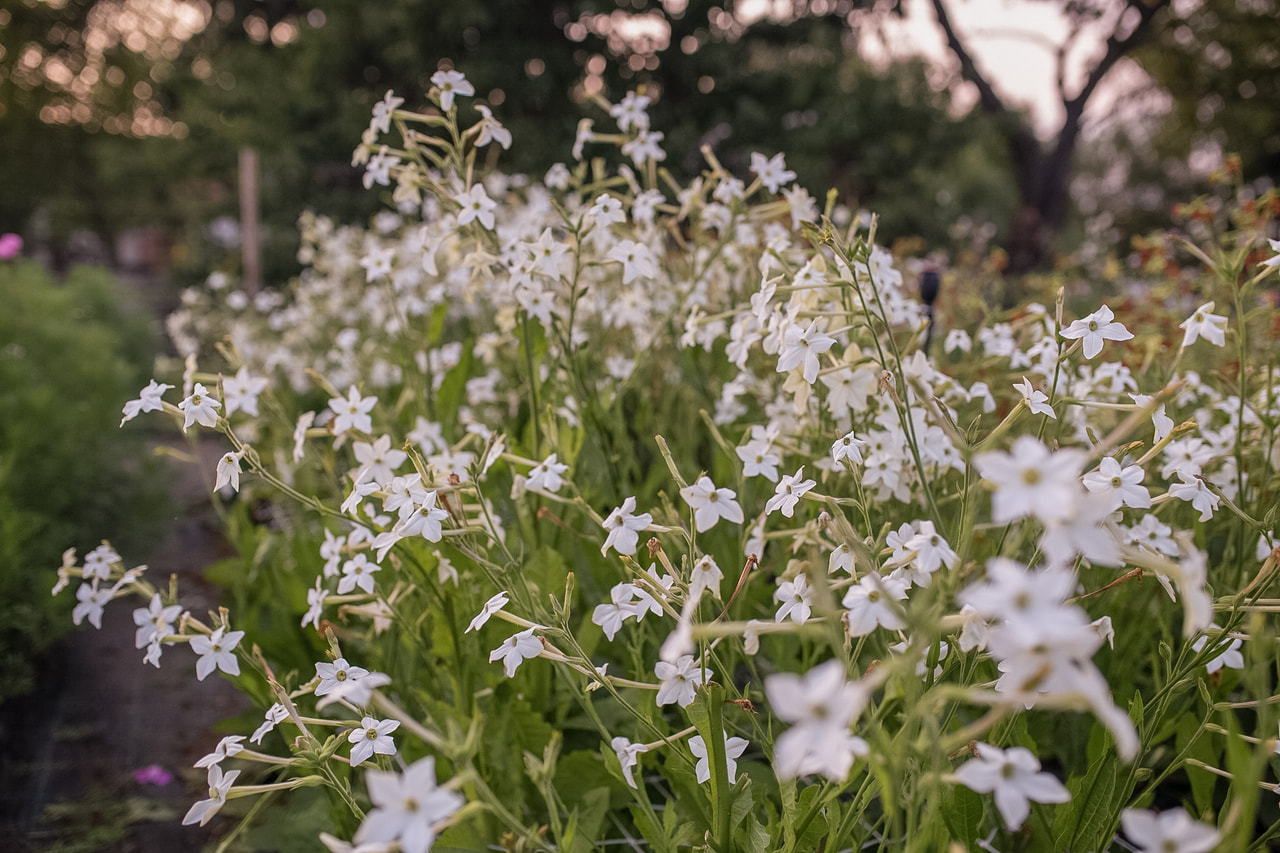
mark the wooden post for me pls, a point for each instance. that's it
(251, 258)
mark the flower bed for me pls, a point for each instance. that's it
(620, 511)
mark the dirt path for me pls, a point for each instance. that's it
(100, 713)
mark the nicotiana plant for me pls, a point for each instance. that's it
(625, 512)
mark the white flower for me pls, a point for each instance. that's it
(492, 606)
(149, 400)
(305, 420)
(315, 604)
(711, 504)
(1096, 328)
(630, 112)
(849, 447)
(821, 706)
(226, 748)
(356, 691)
(606, 210)
(1014, 777)
(772, 171)
(451, 84)
(219, 785)
(228, 472)
(1227, 652)
(628, 756)
(1031, 480)
(680, 680)
(200, 408)
(611, 616)
(869, 606)
(1274, 260)
(516, 649)
(1173, 831)
(1194, 490)
(841, 559)
(277, 713)
(623, 528)
(636, 259)
(410, 809)
(491, 130)
(476, 205)
(547, 475)
(1036, 401)
(796, 599)
(357, 572)
(705, 575)
(352, 412)
(378, 461)
(733, 749)
(802, 347)
(957, 339)
(92, 601)
(932, 551)
(216, 651)
(241, 391)
(1119, 485)
(422, 519)
(1203, 323)
(645, 147)
(331, 675)
(154, 621)
(372, 738)
(383, 110)
(788, 493)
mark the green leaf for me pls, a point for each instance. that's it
(586, 820)
(963, 811)
(753, 837)
(1092, 797)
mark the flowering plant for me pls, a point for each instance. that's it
(619, 509)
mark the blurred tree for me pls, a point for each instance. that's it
(1219, 60)
(1043, 173)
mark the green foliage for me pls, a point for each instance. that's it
(67, 475)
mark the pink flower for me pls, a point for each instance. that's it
(10, 246)
(152, 774)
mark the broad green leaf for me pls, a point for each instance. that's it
(962, 811)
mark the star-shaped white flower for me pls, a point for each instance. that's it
(352, 412)
(547, 475)
(623, 527)
(409, 808)
(219, 785)
(788, 493)
(149, 400)
(1204, 324)
(200, 408)
(217, 651)
(1014, 777)
(476, 206)
(710, 504)
(733, 749)
(372, 738)
(516, 649)
(492, 606)
(1036, 401)
(1173, 831)
(451, 84)
(680, 680)
(1097, 327)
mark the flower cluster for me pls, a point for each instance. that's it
(860, 563)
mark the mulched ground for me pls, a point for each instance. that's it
(69, 752)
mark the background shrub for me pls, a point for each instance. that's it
(70, 352)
